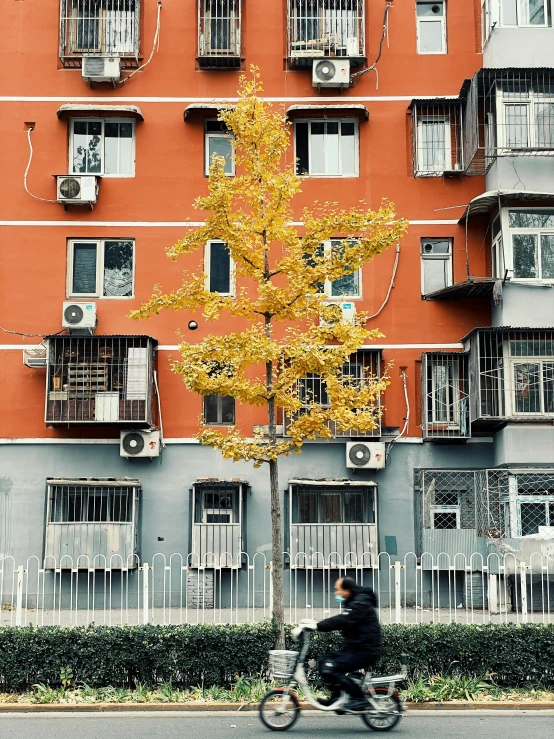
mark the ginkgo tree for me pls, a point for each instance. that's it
(293, 331)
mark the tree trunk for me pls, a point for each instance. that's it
(278, 614)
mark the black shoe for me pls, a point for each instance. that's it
(326, 701)
(354, 704)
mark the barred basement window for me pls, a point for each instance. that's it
(89, 504)
(341, 505)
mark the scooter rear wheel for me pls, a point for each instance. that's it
(385, 721)
(277, 712)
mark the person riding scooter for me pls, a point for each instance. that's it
(361, 645)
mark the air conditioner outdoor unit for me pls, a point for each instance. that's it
(35, 357)
(331, 73)
(101, 68)
(139, 443)
(347, 312)
(79, 315)
(362, 455)
(77, 189)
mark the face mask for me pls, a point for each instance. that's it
(340, 599)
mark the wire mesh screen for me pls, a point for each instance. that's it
(508, 112)
(447, 499)
(326, 28)
(445, 396)
(219, 33)
(512, 374)
(362, 367)
(99, 379)
(436, 138)
(103, 27)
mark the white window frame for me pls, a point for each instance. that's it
(434, 509)
(421, 119)
(72, 122)
(217, 135)
(511, 388)
(515, 515)
(505, 99)
(423, 19)
(100, 252)
(521, 12)
(207, 264)
(328, 286)
(217, 512)
(437, 257)
(452, 422)
(353, 120)
(219, 412)
(518, 231)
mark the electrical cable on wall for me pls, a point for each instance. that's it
(159, 409)
(155, 47)
(44, 200)
(394, 269)
(406, 419)
(384, 35)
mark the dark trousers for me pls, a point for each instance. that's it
(333, 668)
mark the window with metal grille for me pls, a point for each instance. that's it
(526, 115)
(431, 27)
(436, 265)
(90, 504)
(102, 268)
(219, 410)
(531, 384)
(219, 141)
(104, 146)
(326, 148)
(338, 505)
(445, 398)
(219, 28)
(109, 27)
(436, 137)
(326, 28)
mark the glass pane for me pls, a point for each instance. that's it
(348, 149)
(430, 36)
(544, 121)
(509, 12)
(118, 268)
(346, 285)
(524, 247)
(425, 10)
(531, 219)
(219, 268)
(533, 13)
(533, 515)
(307, 507)
(527, 388)
(442, 390)
(227, 409)
(223, 147)
(84, 269)
(87, 139)
(97, 509)
(353, 507)
(317, 148)
(312, 390)
(331, 507)
(302, 157)
(435, 247)
(210, 409)
(516, 117)
(118, 148)
(436, 274)
(431, 145)
(547, 256)
(121, 507)
(215, 126)
(548, 388)
(445, 520)
(447, 498)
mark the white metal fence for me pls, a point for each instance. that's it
(415, 589)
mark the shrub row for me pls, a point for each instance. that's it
(214, 655)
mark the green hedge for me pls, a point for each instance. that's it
(213, 655)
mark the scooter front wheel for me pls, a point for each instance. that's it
(279, 710)
(391, 705)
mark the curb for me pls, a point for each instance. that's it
(236, 707)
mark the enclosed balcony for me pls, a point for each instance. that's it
(219, 34)
(326, 28)
(436, 137)
(92, 523)
(109, 28)
(517, 33)
(332, 524)
(218, 524)
(445, 396)
(99, 380)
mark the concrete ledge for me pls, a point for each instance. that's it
(192, 707)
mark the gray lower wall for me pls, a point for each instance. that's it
(533, 172)
(166, 482)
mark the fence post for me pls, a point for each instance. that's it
(523, 590)
(270, 568)
(493, 594)
(19, 597)
(145, 571)
(397, 598)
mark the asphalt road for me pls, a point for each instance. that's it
(442, 725)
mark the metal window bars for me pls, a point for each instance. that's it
(507, 113)
(217, 527)
(219, 33)
(99, 379)
(326, 28)
(363, 365)
(436, 137)
(445, 395)
(511, 375)
(99, 27)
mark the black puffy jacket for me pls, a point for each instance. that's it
(359, 624)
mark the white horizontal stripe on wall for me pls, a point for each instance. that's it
(180, 100)
(175, 347)
(174, 224)
(192, 440)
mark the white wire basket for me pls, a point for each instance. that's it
(282, 662)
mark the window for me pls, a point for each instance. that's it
(90, 504)
(436, 265)
(100, 269)
(219, 410)
(526, 115)
(497, 255)
(103, 26)
(102, 146)
(327, 148)
(532, 376)
(434, 144)
(219, 27)
(219, 268)
(523, 13)
(326, 28)
(338, 505)
(444, 389)
(219, 141)
(349, 285)
(431, 27)
(532, 239)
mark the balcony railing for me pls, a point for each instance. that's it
(326, 28)
(99, 379)
(216, 545)
(445, 396)
(322, 545)
(219, 33)
(99, 27)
